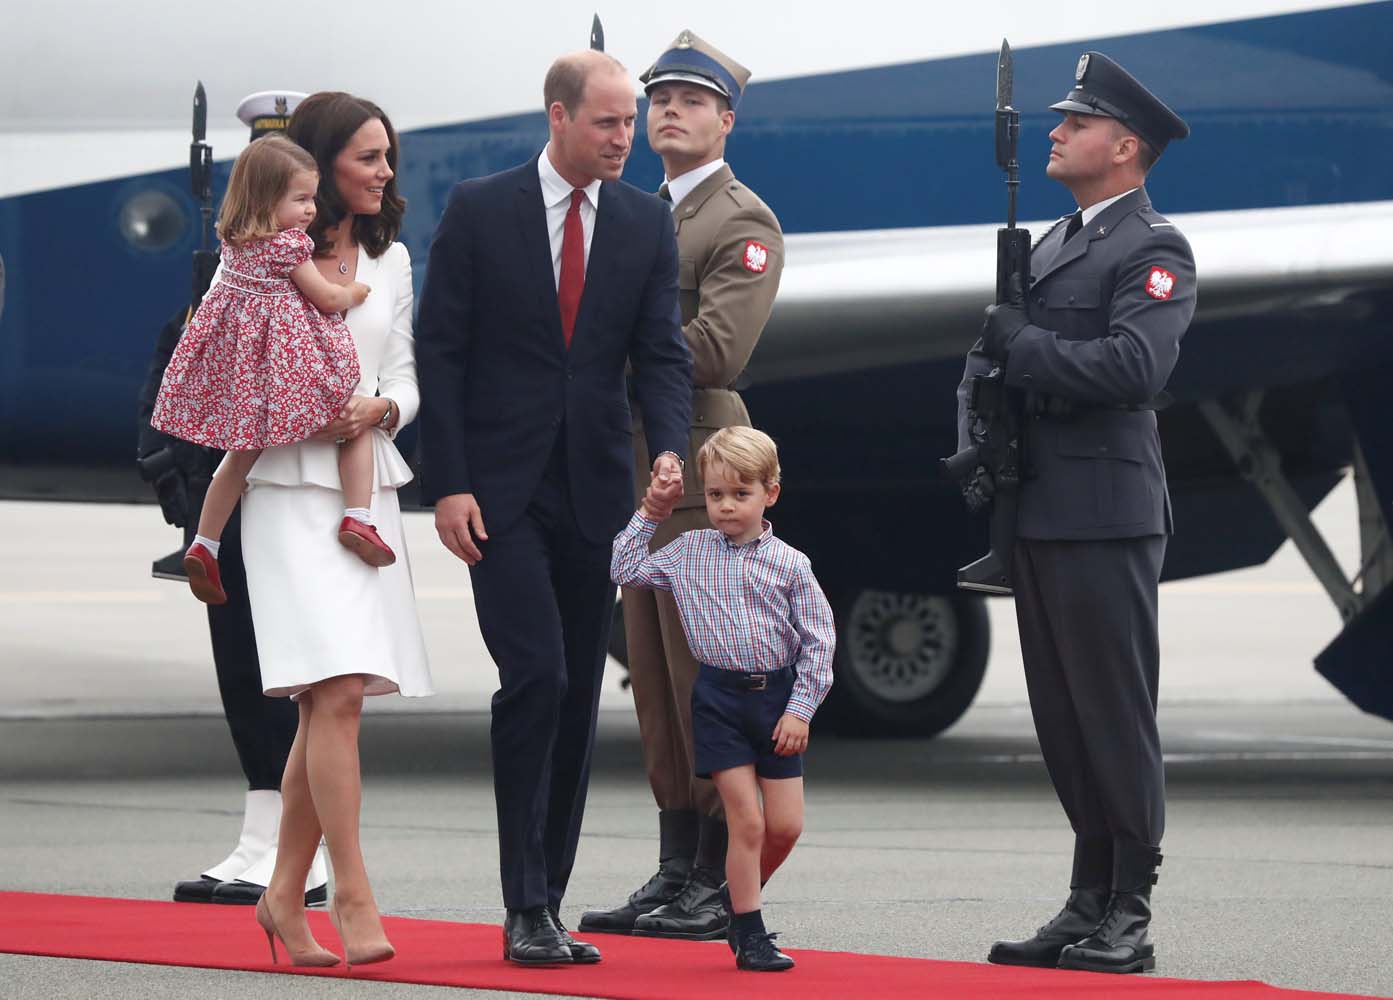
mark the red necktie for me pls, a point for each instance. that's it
(572, 267)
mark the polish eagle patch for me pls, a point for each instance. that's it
(1160, 283)
(756, 256)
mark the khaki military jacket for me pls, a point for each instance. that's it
(730, 258)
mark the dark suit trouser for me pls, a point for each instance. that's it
(544, 599)
(262, 728)
(1087, 612)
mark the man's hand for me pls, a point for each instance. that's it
(664, 490)
(1002, 324)
(790, 735)
(460, 525)
(978, 489)
(666, 467)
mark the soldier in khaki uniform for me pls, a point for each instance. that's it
(731, 256)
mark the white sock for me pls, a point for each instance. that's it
(361, 514)
(208, 544)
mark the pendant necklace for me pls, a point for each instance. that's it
(343, 267)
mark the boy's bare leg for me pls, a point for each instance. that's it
(355, 471)
(783, 822)
(224, 492)
(745, 822)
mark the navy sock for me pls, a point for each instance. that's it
(748, 923)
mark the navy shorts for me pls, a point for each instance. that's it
(733, 724)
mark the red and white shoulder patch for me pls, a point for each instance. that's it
(1160, 283)
(756, 256)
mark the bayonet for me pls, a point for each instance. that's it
(1005, 78)
(200, 113)
(597, 35)
(201, 181)
(1008, 129)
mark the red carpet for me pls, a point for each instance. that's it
(439, 953)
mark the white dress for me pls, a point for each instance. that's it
(318, 610)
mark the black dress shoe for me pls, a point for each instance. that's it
(198, 890)
(663, 887)
(757, 953)
(582, 953)
(697, 914)
(1082, 914)
(730, 924)
(239, 893)
(531, 937)
(1120, 943)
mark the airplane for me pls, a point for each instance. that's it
(869, 131)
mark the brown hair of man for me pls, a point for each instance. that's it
(260, 178)
(323, 123)
(565, 80)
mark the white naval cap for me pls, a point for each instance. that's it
(268, 110)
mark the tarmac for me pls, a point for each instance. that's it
(117, 778)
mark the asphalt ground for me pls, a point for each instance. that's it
(117, 778)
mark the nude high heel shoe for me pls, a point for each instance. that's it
(369, 955)
(317, 956)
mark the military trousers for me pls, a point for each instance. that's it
(1087, 612)
(662, 672)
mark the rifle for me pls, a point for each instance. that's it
(205, 259)
(991, 469)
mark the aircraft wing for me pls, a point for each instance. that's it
(857, 300)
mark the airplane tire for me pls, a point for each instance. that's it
(906, 664)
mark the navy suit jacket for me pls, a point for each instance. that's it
(497, 381)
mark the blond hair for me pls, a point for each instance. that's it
(750, 454)
(260, 178)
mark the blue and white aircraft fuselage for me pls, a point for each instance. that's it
(869, 131)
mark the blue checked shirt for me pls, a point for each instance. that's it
(754, 607)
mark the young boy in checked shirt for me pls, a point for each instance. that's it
(759, 624)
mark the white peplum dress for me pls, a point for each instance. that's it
(319, 611)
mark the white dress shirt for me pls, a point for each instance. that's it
(556, 196)
(1092, 211)
(681, 186)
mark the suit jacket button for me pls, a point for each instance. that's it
(1039, 302)
(1071, 300)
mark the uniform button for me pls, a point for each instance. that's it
(1039, 302)
(1071, 300)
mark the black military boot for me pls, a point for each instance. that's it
(1121, 942)
(677, 844)
(699, 912)
(1083, 910)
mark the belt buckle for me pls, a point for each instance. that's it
(758, 682)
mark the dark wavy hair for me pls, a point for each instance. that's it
(323, 123)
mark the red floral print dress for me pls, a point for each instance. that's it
(258, 366)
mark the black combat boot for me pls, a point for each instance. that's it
(1121, 942)
(677, 844)
(699, 912)
(1083, 910)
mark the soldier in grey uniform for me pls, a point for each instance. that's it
(1112, 292)
(731, 255)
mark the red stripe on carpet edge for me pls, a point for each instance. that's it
(442, 953)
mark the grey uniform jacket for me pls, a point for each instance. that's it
(1107, 310)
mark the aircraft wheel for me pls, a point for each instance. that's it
(906, 664)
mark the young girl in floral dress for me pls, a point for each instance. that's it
(267, 360)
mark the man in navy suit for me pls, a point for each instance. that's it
(544, 282)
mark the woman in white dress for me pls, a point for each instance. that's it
(329, 628)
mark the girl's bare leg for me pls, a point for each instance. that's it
(745, 822)
(224, 492)
(355, 471)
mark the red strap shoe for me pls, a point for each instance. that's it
(365, 543)
(204, 579)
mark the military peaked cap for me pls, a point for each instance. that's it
(690, 59)
(268, 110)
(1102, 87)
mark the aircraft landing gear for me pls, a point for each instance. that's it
(906, 664)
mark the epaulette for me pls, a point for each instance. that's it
(1155, 219)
